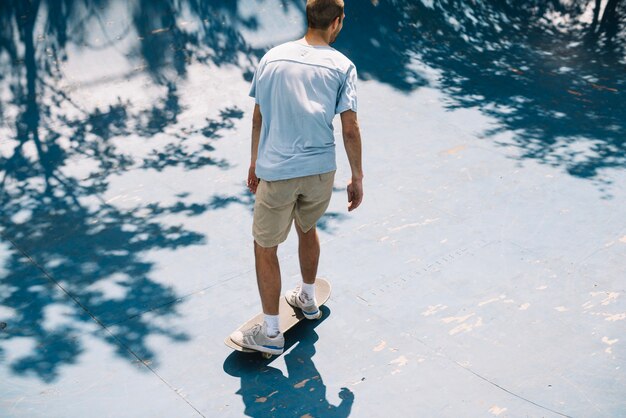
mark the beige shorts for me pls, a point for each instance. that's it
(278, 203)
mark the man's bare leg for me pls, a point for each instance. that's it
(268, 277)
(309, 253)
(267, 337)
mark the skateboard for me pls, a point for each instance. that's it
(289, 316)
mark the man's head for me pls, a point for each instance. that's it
(326, 16)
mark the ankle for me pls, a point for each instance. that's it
(272, 325)
(307, 291)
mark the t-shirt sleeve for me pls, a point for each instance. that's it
(346, 99)
(253, 89)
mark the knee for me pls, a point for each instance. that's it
(310, 234)
(264, 251)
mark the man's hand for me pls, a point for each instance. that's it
(355, 194)
(257, 122)
(253, 180)
(352, 142)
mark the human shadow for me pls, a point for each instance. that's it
(266, 392)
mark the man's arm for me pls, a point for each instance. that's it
(257, 121)
(352, 143)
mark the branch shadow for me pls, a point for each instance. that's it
(551, 82)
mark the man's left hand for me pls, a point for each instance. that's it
(253, 180)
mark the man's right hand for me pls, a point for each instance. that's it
(355, 194)
(352, 142)
(253, 180)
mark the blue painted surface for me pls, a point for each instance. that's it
(484, 274)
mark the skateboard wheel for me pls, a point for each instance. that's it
(266, 356)
(321, 314)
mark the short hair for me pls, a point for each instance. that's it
(321, 13)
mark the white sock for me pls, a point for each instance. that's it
(271, 325)
(307, 291)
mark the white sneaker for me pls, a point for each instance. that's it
(308, 306)
(256, 338)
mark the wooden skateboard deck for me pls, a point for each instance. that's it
(289, 316)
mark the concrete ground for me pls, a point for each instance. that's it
(480, 277)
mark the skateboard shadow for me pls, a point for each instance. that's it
(267, 392)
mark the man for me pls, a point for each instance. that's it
(298, 88)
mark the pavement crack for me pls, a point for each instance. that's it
(506, 390)
(103, 326)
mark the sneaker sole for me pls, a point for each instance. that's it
(318, 315)
(262, 348)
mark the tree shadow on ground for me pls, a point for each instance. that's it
(265, 391)
(551, 81)
(68, 249)
(554, 83)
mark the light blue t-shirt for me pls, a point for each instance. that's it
(299, 89)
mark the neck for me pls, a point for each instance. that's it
(317, 37)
